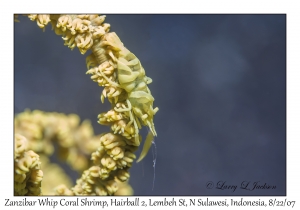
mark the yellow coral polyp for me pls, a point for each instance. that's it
(123, 128)
(84, 42)
(64, 22)
(95, 171)
(43, 20)
(21, 145)
(63, 190)
(100, 190)
(123, 175)
(36, 176)
(110, 141)
(24, 165)
(69, 40)
(27, 173)
(111, 186)
(116, 153)
(129, 157)
(108, 163)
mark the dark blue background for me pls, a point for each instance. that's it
(218, 80)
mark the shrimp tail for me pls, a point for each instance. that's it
(146, 147)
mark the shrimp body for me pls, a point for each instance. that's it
(132, 78)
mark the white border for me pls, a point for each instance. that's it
(153, 6)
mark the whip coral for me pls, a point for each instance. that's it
(125, 85)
